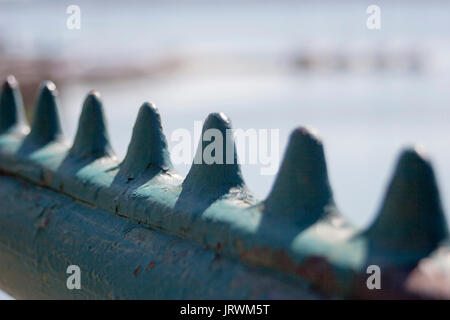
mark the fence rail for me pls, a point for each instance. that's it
(139, 230)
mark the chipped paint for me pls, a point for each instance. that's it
(297, 232)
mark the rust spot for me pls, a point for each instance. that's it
(150, 265)
(319, 271)
(316, 270)
(47, 177)
(137, 271)
(219, 246)
(45, 221)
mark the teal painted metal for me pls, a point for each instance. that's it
(119, 258)
(297, 233)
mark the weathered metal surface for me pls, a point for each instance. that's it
(45, 232)
(296, 233)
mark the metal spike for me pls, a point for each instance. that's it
(411, 218)
(301, 192)
(148, 147)
(11, 108)
(46, 125)
(219, 173)
(92, 138)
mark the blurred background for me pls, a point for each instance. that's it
(265, 64)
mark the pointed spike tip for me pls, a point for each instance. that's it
(92, 138)
(306, 136)
(50, 87)
(10, 82)
(148, 148)
(12, 117)
(301, 192)
(150, 110)
(46, 124)
(217, 120)
(94, 93)
(411, 219)
(92, 101)
(215, 169)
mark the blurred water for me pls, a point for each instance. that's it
(240, 54)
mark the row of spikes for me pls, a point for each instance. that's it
(411, 216)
